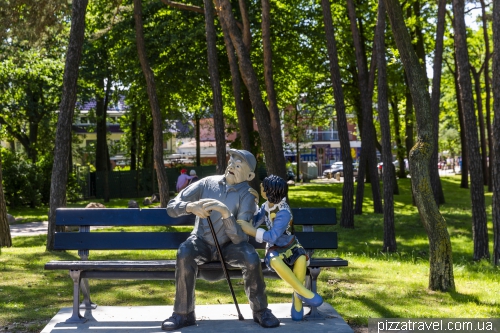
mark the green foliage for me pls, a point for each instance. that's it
(21, 181)
(28, 184)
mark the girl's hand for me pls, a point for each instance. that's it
(247, 227)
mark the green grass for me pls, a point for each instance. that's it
(374, 285)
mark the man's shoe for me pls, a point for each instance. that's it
(177, 321)
(315, 301)
(266, 319)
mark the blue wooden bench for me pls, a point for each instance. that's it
(84, 241)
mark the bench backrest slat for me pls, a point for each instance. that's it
(159, 216)
(314, 216)
(165, 240)
(120, 217)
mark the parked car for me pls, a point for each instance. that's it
(354, 170)
(339, 167)
(333, 169)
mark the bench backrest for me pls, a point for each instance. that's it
(171, 239)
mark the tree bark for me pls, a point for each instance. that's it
(237, 91)
(251, 82)
(488, 93)
(271, 92)
(62, 148)
(155, 107)
(133, 140)
(437, 189)
(401, 152)
(213, 69)
(5, 237)
(347, 214)
(479, 228)
(368, 154)
(464, 181)
(440, 255)
(495, 163)
(385, 129)
(101, 148)
(482, 133)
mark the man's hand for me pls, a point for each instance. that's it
(196, 208)
(212, 204)
(247, 227)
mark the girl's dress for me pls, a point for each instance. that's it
(280, 241)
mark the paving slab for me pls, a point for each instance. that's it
(209, 318)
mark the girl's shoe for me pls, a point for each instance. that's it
(315, 301)
(296, 315)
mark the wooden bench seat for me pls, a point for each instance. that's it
(168, 239)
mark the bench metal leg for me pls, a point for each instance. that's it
(87, 303)
(314, 314)
(76, 317)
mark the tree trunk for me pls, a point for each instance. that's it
(479, 228)
(347, 214)
(271, 93)
(155, 107)
(62, 148)
(101, 149)
(488, 93)
(5, 237)
(464, 182)
(495, 163)
(401, 152)
(133, 139)
(409, 119)
(252, 84)
(437, 189)
(368, 137)
(213, 69)
(237, 91)
(440, 255)
(197, 138)
(385, 129)
(482, 135)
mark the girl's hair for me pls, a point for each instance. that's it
(275, 187)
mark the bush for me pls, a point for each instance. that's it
(28, 184)
(21, 180)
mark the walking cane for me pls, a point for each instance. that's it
(223, 262)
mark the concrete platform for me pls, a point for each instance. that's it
(210, 318)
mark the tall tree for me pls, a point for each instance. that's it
(155, 107)
(487, 88)
(440, 255)
(480, 113)
(220, 138)
(102, 153)
(237, 91)
(62, 148)
(347, 213)
(479, 227)
(251, 82)
(464, 182)
(5, 237)
(385, 129)
(495, 163)
(271, 92)
(368, 159)
(437, 189)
